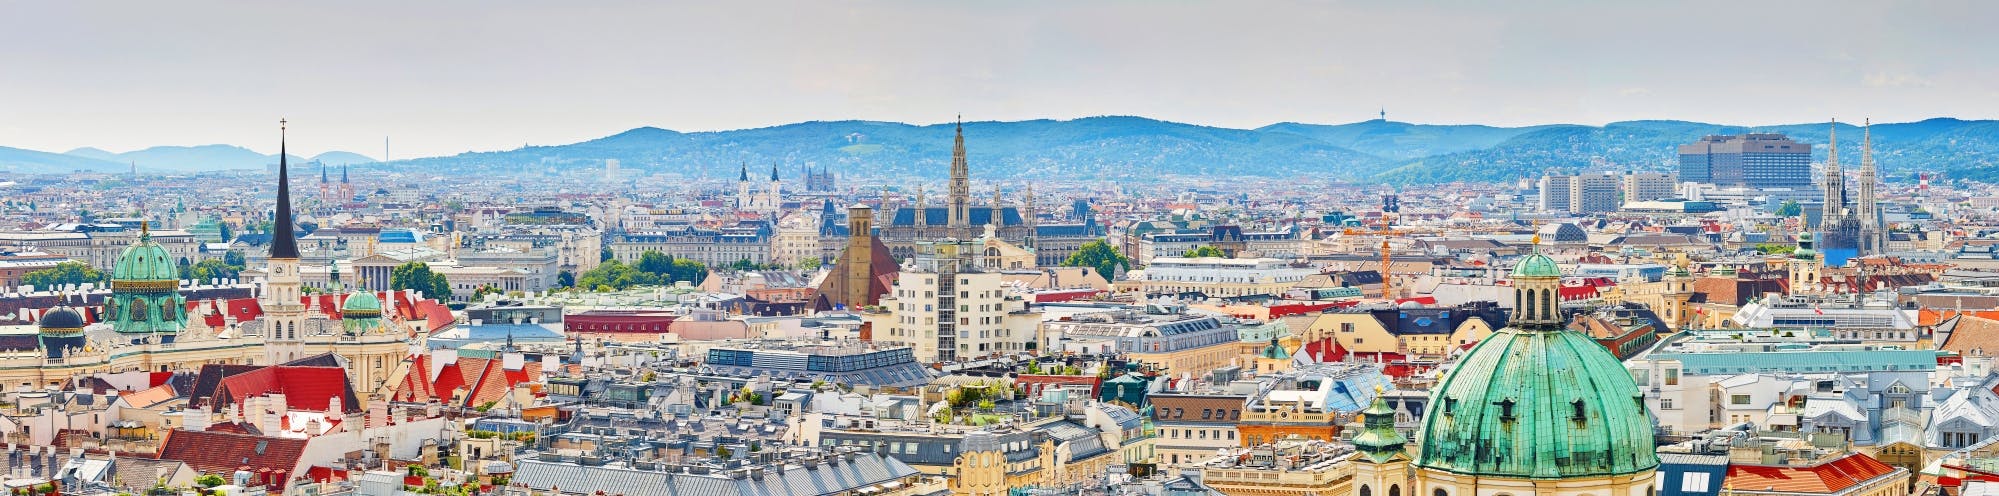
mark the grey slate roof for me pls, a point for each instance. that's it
(866, 469)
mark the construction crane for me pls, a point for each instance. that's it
(1386, 231)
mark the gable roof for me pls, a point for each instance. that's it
(1826, 478)
(305, 388)
(223, 452)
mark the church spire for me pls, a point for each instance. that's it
(773, 171)
(283, 245)
(746, 173)
(961, 187)
(922, 217)
(1835, 187)
(1865, 207)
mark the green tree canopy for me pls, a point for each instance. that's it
(1790, 208)
(1206, 251)
(210, 269)
(808, 264)
(1100, 256)
(234, 258)
(653, 262)
(417, 276)
(565, 279)
(653, 268)
(71, 272)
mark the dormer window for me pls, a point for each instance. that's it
(1505, 409)
(1579, 415)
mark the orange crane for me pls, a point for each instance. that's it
(1387, 230)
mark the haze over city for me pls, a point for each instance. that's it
(1083, 248)
(440, 78)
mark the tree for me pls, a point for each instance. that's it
(604, 255)
(226, 235)
(1775, 249)
(71, 272)
(744, 265)
(234, 259)
(689, 270)
(417, 276)
(212, 480)
(209, 270)
(808, 264)
(480, 294)
(1790, 209)
(653, 262)
(1206, 251)
(1100, 256)
(565, 279)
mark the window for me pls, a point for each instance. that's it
(1694, 482)
(1366, 491)
(1672, 377)
(1738, 399)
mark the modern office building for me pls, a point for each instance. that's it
(1756, 160)
(1647, 186)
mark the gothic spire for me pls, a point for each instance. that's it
(746, 173)
(1865, 206)
(773, 171)
(283, 245)
(961, 186)
(1835, 187)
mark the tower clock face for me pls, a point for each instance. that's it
(278, 270)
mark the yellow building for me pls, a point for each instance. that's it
(1289, 467)
(1411, 331)
(1215, 277)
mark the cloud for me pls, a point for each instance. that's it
(1884, 79)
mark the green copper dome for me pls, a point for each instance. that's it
(1537, 403)
(361, 313)
(362, 303)
(145, 261)
(1537, 265)
(145, 291)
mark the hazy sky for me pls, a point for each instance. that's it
(445, 77)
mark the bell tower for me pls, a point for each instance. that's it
(284, 313)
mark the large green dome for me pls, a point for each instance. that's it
(1537, 403)
(361, 304)
(145, 261)
(1536, 267)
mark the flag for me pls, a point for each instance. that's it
(1817, 310)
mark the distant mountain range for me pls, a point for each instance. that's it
(1137, 148)
(158, 159)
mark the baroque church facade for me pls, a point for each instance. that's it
(145, 324)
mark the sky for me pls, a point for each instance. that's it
(443, 77)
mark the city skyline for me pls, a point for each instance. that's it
(440, 79)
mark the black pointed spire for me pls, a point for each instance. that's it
(322, 173)
(773, 170)
(746, 173)
(343, 173)
(283, 245)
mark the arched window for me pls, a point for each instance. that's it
(1366, 491)
(1531, 301)
(1549, 304)
(1394, 490)
(1440, 492)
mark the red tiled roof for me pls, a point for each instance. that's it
(1826, 478)
(244, 309)
(305, 388)
(416, 386)
(223, 452)
(435, 315)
